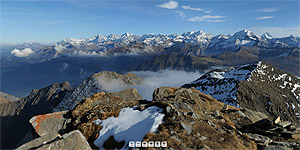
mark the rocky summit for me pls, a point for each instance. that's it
(258, 86)
(254, 106)
(190, 120)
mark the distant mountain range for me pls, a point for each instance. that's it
(192, 43)
(75, 59)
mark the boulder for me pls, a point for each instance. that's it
(48, 123)
(70, 141)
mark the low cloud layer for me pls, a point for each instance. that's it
(22, 53)
(172, 78)
(152, 80)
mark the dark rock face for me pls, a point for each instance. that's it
(271, 91)
(38, 102)
(257, 86)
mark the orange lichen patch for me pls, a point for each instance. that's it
(36, 120)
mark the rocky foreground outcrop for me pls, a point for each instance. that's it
(191, 120)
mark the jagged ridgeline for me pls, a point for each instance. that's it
(258, 86)
(234, 108)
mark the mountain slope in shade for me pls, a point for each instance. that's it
(257, 86)
(14, 128)
(9, 104)
(102, 81)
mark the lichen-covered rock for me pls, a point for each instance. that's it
(48, 123)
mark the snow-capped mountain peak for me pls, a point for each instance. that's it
(266, 36)
(245, 34)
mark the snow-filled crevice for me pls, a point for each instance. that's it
(130, 125)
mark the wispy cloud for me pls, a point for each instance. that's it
(207, 18)
(169, 5)
(181, 14)
(278, 31)
(195, 9)
(264, 17)
(190, 8)
(267, 10)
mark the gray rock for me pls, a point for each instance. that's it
(211, 123)
(192, 123)
(187, 128)
(284, 124)
(221, 139)
(73, 141)
(241, 114)
(176, 139)
(255, 116)
(195, 115)
(39, 141)
(186, 106)
(168, 109)
(286, 144)
(217, 113)
(276, 147)
(260, 139)
(203, 138)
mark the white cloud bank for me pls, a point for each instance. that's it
(264, 17)
(152, 80)
(22, 53)
(207, 18)
(169, 5)
(172, 78)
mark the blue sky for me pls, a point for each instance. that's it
(54, 20)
